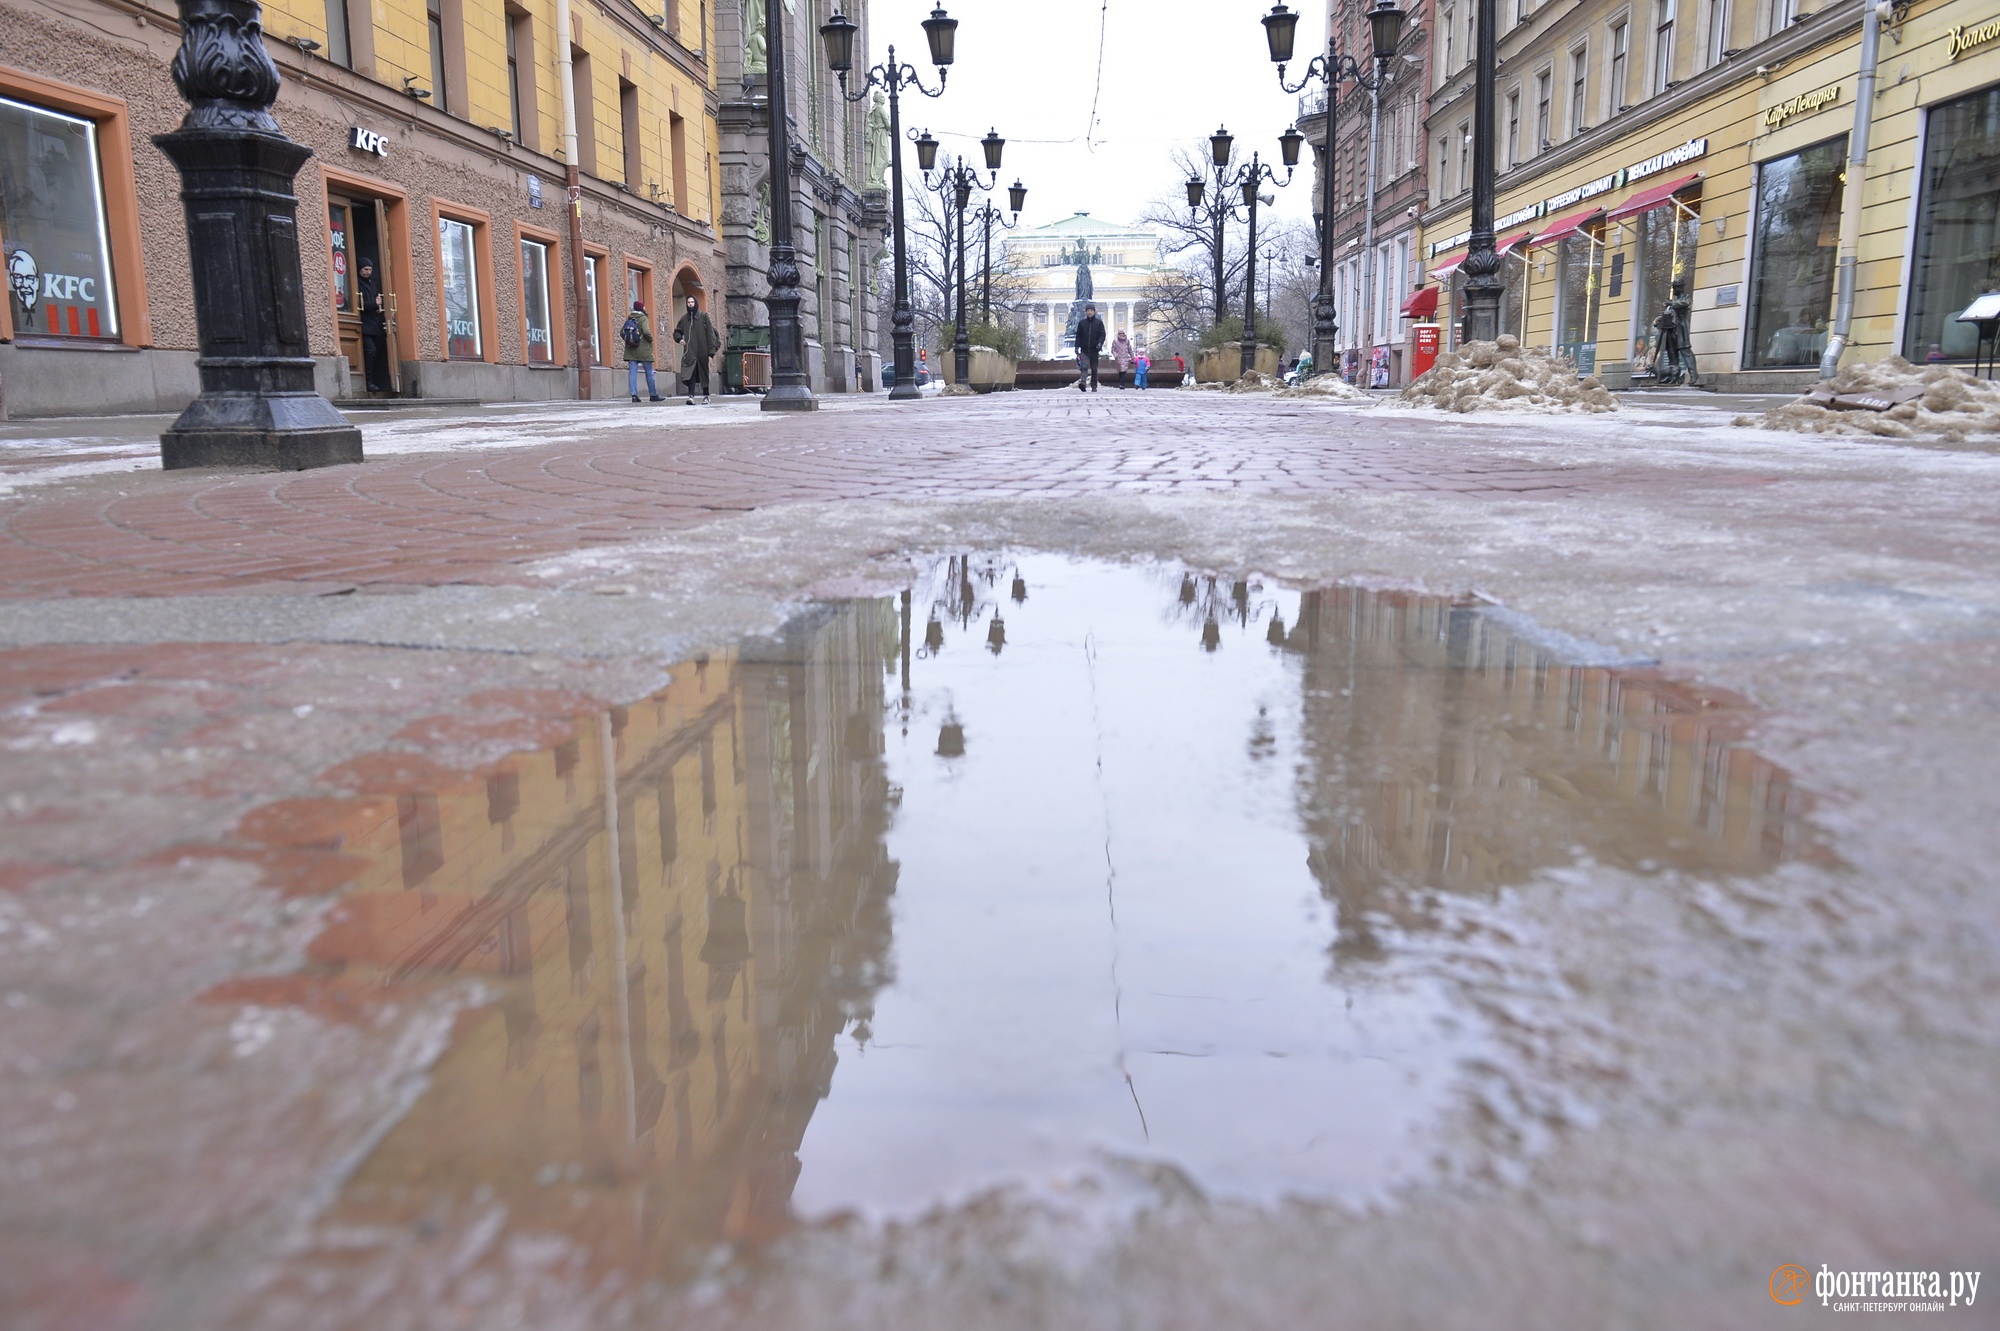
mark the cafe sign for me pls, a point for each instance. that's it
(1805, 104)
(1667, 160)
(1589, 189)
(1960, 38)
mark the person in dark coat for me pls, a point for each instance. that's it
(696, 334)
(374, 330)
(1089, 345)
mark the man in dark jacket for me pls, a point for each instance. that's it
(1089, 342)
(696, 334)
(374, 330)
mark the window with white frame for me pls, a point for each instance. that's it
(1663, 45)
(1718, 31)
(1579, 74)
(1544, 93)
(1448, 29)
(1513, 128)
(1464, 155)
(1621, 42)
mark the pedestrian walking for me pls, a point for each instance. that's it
(637, 335)
(1089, 345)
(1180, 369)
(1121, 355)
(374, 330)
(1141, 363)
(696, 334)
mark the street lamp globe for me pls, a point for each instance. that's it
(1220, 145)
(941, 29)
(1017, 196)
(1386, 22)
(1195, 189)
(926, 152)
(837, 33)
(1289, 144)
(992, 144)
(1281, 25)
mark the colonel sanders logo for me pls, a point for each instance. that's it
(24, 278)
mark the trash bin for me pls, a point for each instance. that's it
(740, 341)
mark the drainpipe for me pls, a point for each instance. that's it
(1368, 223)
(579, 308)
(1850, 197)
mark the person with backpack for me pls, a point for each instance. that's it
(637, 335)
(696, 334)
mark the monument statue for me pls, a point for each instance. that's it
(878, 142)
(1673, 354)
(1085, 288)
(754, 47)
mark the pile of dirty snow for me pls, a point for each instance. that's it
(1505, 376)
(1896, 399)
(1327, 386)
(1256, 381)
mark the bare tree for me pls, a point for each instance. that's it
(1191, 233)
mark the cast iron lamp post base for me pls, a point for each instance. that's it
(258, 406)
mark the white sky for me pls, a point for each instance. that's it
(1172, 70)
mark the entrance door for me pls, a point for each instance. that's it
(356, 227)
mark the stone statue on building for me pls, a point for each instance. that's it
(754, 40)
(877, 162)
(760, 227)
(1085, 288)
(1673, 355)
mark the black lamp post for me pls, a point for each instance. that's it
(1017, 197)
(1248, 180)
(258, 406)
(1482, 261)
(790, 389)
(1385, 22)
(955, 184)
(940, 30)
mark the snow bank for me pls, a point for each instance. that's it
(1505, 376)
(1922, 401)
(1327, 386)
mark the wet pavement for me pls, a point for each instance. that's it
(1087, 911)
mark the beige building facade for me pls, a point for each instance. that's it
(1123, 261)
(437, 133)
(1644, 143)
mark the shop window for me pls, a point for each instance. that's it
(52, 221)
(1957, 253)
(1667, 237)
(1796, 235)
(458, 268)
(1514, 293)
(592, 268)
(1577, 298)
(535, 310)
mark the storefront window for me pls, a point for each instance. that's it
(1576, 299)
(1667, 237)
(459, 262)
(53, 226)
(535, 302)
(1792, 256)
(343, 264)
(590, 267)
(1514, 292)
(1957, 253)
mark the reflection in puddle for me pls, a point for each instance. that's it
(1042, 866)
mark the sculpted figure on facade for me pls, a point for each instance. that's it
(754, 43)
(877, 165)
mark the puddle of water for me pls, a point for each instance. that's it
(1044, 867)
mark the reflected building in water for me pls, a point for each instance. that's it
(1444, 752)
(676, 907)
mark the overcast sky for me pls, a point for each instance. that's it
(1172, 70)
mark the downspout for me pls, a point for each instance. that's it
(1850, 197)
(579, 309)
(1368, 224)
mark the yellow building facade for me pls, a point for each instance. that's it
(437, 130)
(1642, 145)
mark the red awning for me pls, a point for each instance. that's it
(1443, 272)
(1422, 304)
(1512, 243)
(1569, 226)
(1651, 198)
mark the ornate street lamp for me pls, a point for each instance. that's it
(837, 35)
(258, 406)
(1385, 21)
(989, 216)
(790, 389)
(1247, 181)
(955, 185)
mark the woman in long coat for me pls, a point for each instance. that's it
(1121, 355)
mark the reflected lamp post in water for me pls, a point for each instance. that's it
(955, 185)
(940, 31)
(258, 406)
(1385, 22)
(1249, 180)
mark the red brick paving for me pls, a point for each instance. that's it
(475, 516)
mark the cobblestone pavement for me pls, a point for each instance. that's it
(472, 513)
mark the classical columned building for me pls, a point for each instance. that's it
(1043, 269)
(840, 203)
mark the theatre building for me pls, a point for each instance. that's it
(437, 133)
(1644, 143)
